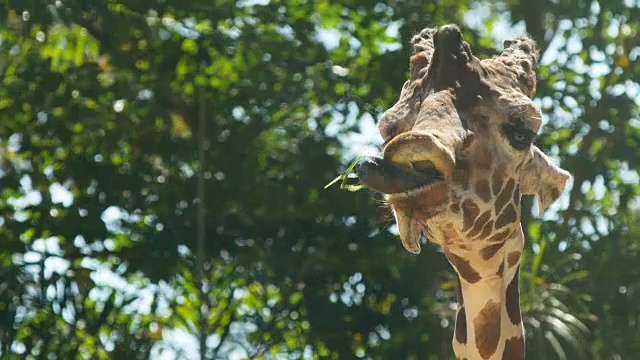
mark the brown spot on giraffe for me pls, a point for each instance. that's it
(513, 257)
(461, 317)
(461, 326)
(486, 231)
(464, 268)
(490, 251)
(483, 190)
(507, 217)
(505, 195)
(513, 300)
(500, 269)
(470, 212)
(497, 179)
(513, 349)
(455, 208)
(487, 329)
(501, 236)
(480, 222)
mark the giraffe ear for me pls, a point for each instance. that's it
(541, 177)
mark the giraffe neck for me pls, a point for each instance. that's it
(488, 320)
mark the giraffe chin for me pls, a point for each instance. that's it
(412, 210)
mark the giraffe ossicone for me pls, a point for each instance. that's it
(457, 158)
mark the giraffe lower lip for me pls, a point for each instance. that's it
(410, 230)
(391, 178)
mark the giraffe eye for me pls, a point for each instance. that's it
(518, 134)
(519, 137)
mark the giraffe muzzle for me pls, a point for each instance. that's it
(411, 160)
(388, 177)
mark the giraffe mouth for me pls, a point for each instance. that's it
(406, 188)
(389, 177)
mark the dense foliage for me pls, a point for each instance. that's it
(113, 113)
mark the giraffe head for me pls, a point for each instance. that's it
(459, 149)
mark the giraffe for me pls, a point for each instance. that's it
(458, 155)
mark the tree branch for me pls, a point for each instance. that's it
(227, 328)
(200, 270)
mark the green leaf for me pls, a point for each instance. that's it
(343, 178)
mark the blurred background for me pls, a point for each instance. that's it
(162, 166)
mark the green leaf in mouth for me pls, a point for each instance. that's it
(343, 178)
